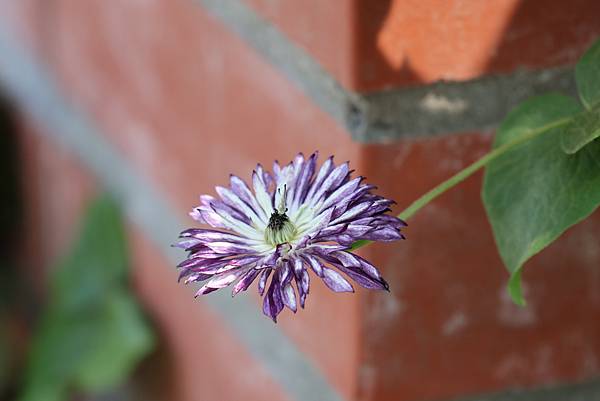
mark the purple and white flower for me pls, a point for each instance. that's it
(292, 221)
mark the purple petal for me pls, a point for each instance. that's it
(303, 180)
(187, 243)
(284, 273)
(363, 279)
(348, 259)
(262, 282)
(325, 249)
(354, 211)
(355, 197)
(332, 182)
(229, 248)
(263, 197)
(234, 201)
(342, 239)
(230, 215)
(357, 231)
(335, 281)
(323, 173)
(212, 218)
(314, 264)
(196, 215)
(241, 189)
(385, 234)
(200, 262)
(245, 281)
(219, 282)
(342, 192)
(288, 297)
(272, 302)
(331, 230)
(194, 277)
(302, 280)
(204, 234)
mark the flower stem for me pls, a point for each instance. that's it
(467, 172)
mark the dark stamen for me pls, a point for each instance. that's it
(277, 220)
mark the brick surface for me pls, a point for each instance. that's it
(373, 45)
(415, 41)
(449, 327)
(323, 28)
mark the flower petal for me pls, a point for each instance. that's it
(220, 281)
(314, 264)
(323, 173)
(335, 281)
(331, 183)
(245, 281)
(272, 302)
(241, 189)
(262, 282)
(348, 189)
(234, 201)
(303, 180)
(288, 297)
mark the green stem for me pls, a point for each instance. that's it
(467, 172)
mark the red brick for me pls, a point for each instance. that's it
(372, 45)
(449, 328)
(325, 29)
(404, 42)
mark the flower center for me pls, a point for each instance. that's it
(280, 229)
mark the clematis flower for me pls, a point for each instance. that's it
(292, 221)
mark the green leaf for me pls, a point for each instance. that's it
(587, 76)
(93, 332)
(584, 128)
(534, 192)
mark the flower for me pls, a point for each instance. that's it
(292, 221)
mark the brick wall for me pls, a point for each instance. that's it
(159, 101)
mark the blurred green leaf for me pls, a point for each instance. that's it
(587, 76)
(93, 332)
(584, 128)
(535, 191)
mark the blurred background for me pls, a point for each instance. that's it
(115, 116)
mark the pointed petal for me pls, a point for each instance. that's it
(263, 197)
(245, 281)
(241, 189)
(332, 182)
(272, 302)
(342, 192)
(335, 281)
(314, 264)
(353, 212)
(288, 297)
(234, 201)
(219, 282)
(262, 281)
(323, 173)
